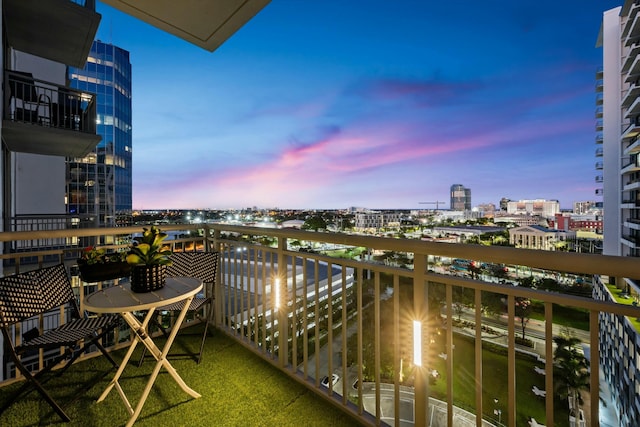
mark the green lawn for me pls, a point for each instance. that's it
(495, 384)
(620, 298)
(565, 316)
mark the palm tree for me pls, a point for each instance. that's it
(571, 368)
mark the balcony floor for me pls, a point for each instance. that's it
(237, 387)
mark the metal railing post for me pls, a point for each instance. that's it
(419, 307)
(282, 314)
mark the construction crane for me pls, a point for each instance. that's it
(437, 203)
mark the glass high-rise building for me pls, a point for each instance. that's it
(460, 198)
(99, 185)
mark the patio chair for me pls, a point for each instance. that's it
(48, 292)
(203, 266)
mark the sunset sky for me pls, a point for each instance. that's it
(330, 104)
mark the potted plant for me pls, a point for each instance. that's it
(148, 261)
(96, 264)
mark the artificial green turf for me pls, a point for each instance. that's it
(237, 387)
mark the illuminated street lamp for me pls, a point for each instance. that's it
(417, 343)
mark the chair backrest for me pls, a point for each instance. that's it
(201, 265)
(31, 293)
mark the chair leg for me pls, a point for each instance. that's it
(32, 381)
(204, 337)
(208, 319)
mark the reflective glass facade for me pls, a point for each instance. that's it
(100, 184)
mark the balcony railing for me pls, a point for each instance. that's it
(393, 331)
(47, 104)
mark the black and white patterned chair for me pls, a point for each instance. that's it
(25, 296)
(203, 266)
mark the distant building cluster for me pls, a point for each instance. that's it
(540, 207)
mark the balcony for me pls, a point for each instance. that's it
(599, 151)
(630, 167)
(63, 31)
(599, 165)
(599, 178)
(599, 111)
(632, 29)
(599, 98)
(634, 51)
(354, 317)
(634, 89)
(633, 147)
(632, 224)
(44, 118)
(599, 124)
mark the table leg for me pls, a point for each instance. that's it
(137, 329)
(161, 359)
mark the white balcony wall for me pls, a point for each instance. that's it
(612, 147)
(38, 182)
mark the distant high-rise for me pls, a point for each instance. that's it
(100, 184)
(460, 198)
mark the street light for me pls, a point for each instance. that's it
(417, 343)
(497, 411)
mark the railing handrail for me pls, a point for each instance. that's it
(549, 260)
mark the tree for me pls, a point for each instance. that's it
(314, 223)
(523, 311)
(571, 370)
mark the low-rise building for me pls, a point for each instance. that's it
(538, 237)
(375, 221)
(541, 207)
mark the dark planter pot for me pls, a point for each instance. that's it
(148, 278)
(106, 271)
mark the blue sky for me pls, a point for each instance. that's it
(331, 104)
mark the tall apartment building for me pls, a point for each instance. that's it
(618, 133)
(460, 198)
(99, 185)
(44, 120)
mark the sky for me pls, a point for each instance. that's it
(328, 104)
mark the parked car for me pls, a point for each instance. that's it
(334, 379)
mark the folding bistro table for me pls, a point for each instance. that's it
(120, 299)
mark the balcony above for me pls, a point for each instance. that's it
(44, 118)
(206, 24)
(63, 31)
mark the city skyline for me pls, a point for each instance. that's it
(326, 105)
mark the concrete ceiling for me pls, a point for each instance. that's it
(205, 23)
